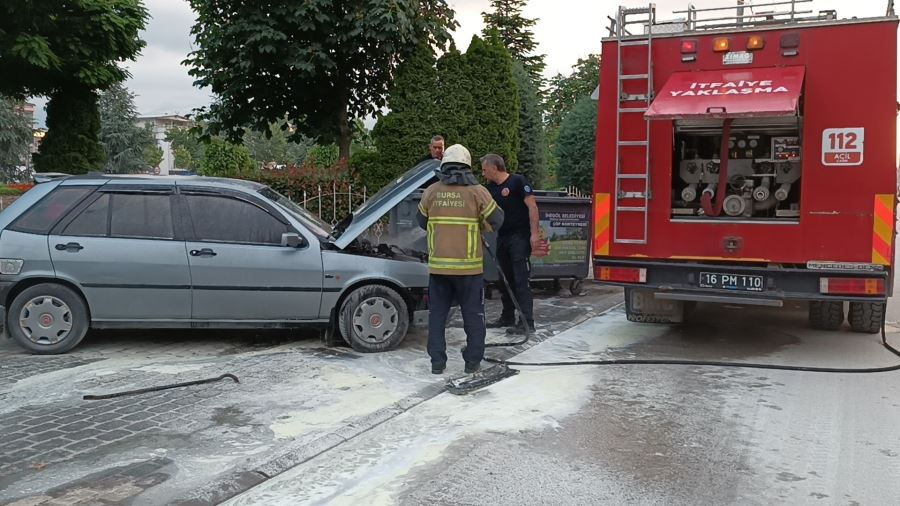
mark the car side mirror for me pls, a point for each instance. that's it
(292, 240)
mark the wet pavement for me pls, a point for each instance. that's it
(296, 401)
(638, 434)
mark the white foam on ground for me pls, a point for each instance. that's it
(370, 469)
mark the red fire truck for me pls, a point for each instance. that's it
(748, 157)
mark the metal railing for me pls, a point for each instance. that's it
(747, 14)
(744, 13)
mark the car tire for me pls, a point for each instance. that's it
(373, 318)
(48, 319)
(826, 315)
(866, 317)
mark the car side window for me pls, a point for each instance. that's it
(41, 217)
(141, 216)
(93, 220)
(226, 219)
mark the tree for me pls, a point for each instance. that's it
(455, 102)
(68, 51)
(401, 137)
(320, 62)
(494, 127)
(575, 147)
(515, 32)
(565, 91)
(187, 147)
(72, 143)
(532, 141)
(152, 155)
(124, 142)
(275, 145)
(224, 159)
(15, 140)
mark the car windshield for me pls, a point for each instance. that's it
(313, 222)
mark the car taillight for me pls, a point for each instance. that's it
(852, 286)
(621, 274)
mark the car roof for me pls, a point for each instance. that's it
(138, 179)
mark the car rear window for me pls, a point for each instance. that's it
(41, 217)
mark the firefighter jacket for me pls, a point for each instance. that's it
(455, 216)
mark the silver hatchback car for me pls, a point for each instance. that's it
(101, 251)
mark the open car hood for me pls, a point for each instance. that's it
(392, 194)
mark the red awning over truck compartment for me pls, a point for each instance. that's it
(737, 93)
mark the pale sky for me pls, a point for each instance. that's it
(566, 31)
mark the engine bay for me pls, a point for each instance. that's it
(763, 170)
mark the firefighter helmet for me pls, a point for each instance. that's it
(457, 154)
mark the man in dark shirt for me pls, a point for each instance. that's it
(515, 240)
(435, 150)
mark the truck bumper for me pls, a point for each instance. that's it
(682, 281)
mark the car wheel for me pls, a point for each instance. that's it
(48, 319)
(826, 314)
(374, 318)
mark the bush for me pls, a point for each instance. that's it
(6, 191)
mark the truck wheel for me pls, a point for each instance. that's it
(373, 318)
(866, 317)
(826, 315)
(48, 319)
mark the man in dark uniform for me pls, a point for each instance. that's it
(455, 211)
(516, 239)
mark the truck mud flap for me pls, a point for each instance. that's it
(642, 306)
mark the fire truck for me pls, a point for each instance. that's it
(747, 155)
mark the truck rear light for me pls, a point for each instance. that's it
(688, 46)
(721, 44)
(621, 274)
(852, 286)
(756, 42)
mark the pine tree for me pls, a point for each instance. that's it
(494, 127)
(575, 147)
(532, 140)
(515, 32)
(15, 140)
(402, 136)
(72, 144)
(124, 142)
(455, 105)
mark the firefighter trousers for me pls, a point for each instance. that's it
(468, 291)
(514, 254)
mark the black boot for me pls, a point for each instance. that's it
(501, 322)
(520, 329)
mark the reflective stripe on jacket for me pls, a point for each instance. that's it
(456, 217)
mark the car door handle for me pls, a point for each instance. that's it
(205, 252)
(72, 246)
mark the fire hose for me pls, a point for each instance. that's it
(704, 363)
(706, 198)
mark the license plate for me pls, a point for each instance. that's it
(739, 282)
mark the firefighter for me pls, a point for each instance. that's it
(455, 211)
(516, 240)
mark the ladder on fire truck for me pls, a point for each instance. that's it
(630, 104)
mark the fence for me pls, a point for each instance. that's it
(332, 204)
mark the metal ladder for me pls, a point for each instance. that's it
(626, 104)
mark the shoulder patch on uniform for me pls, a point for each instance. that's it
(527, 189)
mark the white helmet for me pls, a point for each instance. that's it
(457, 154)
